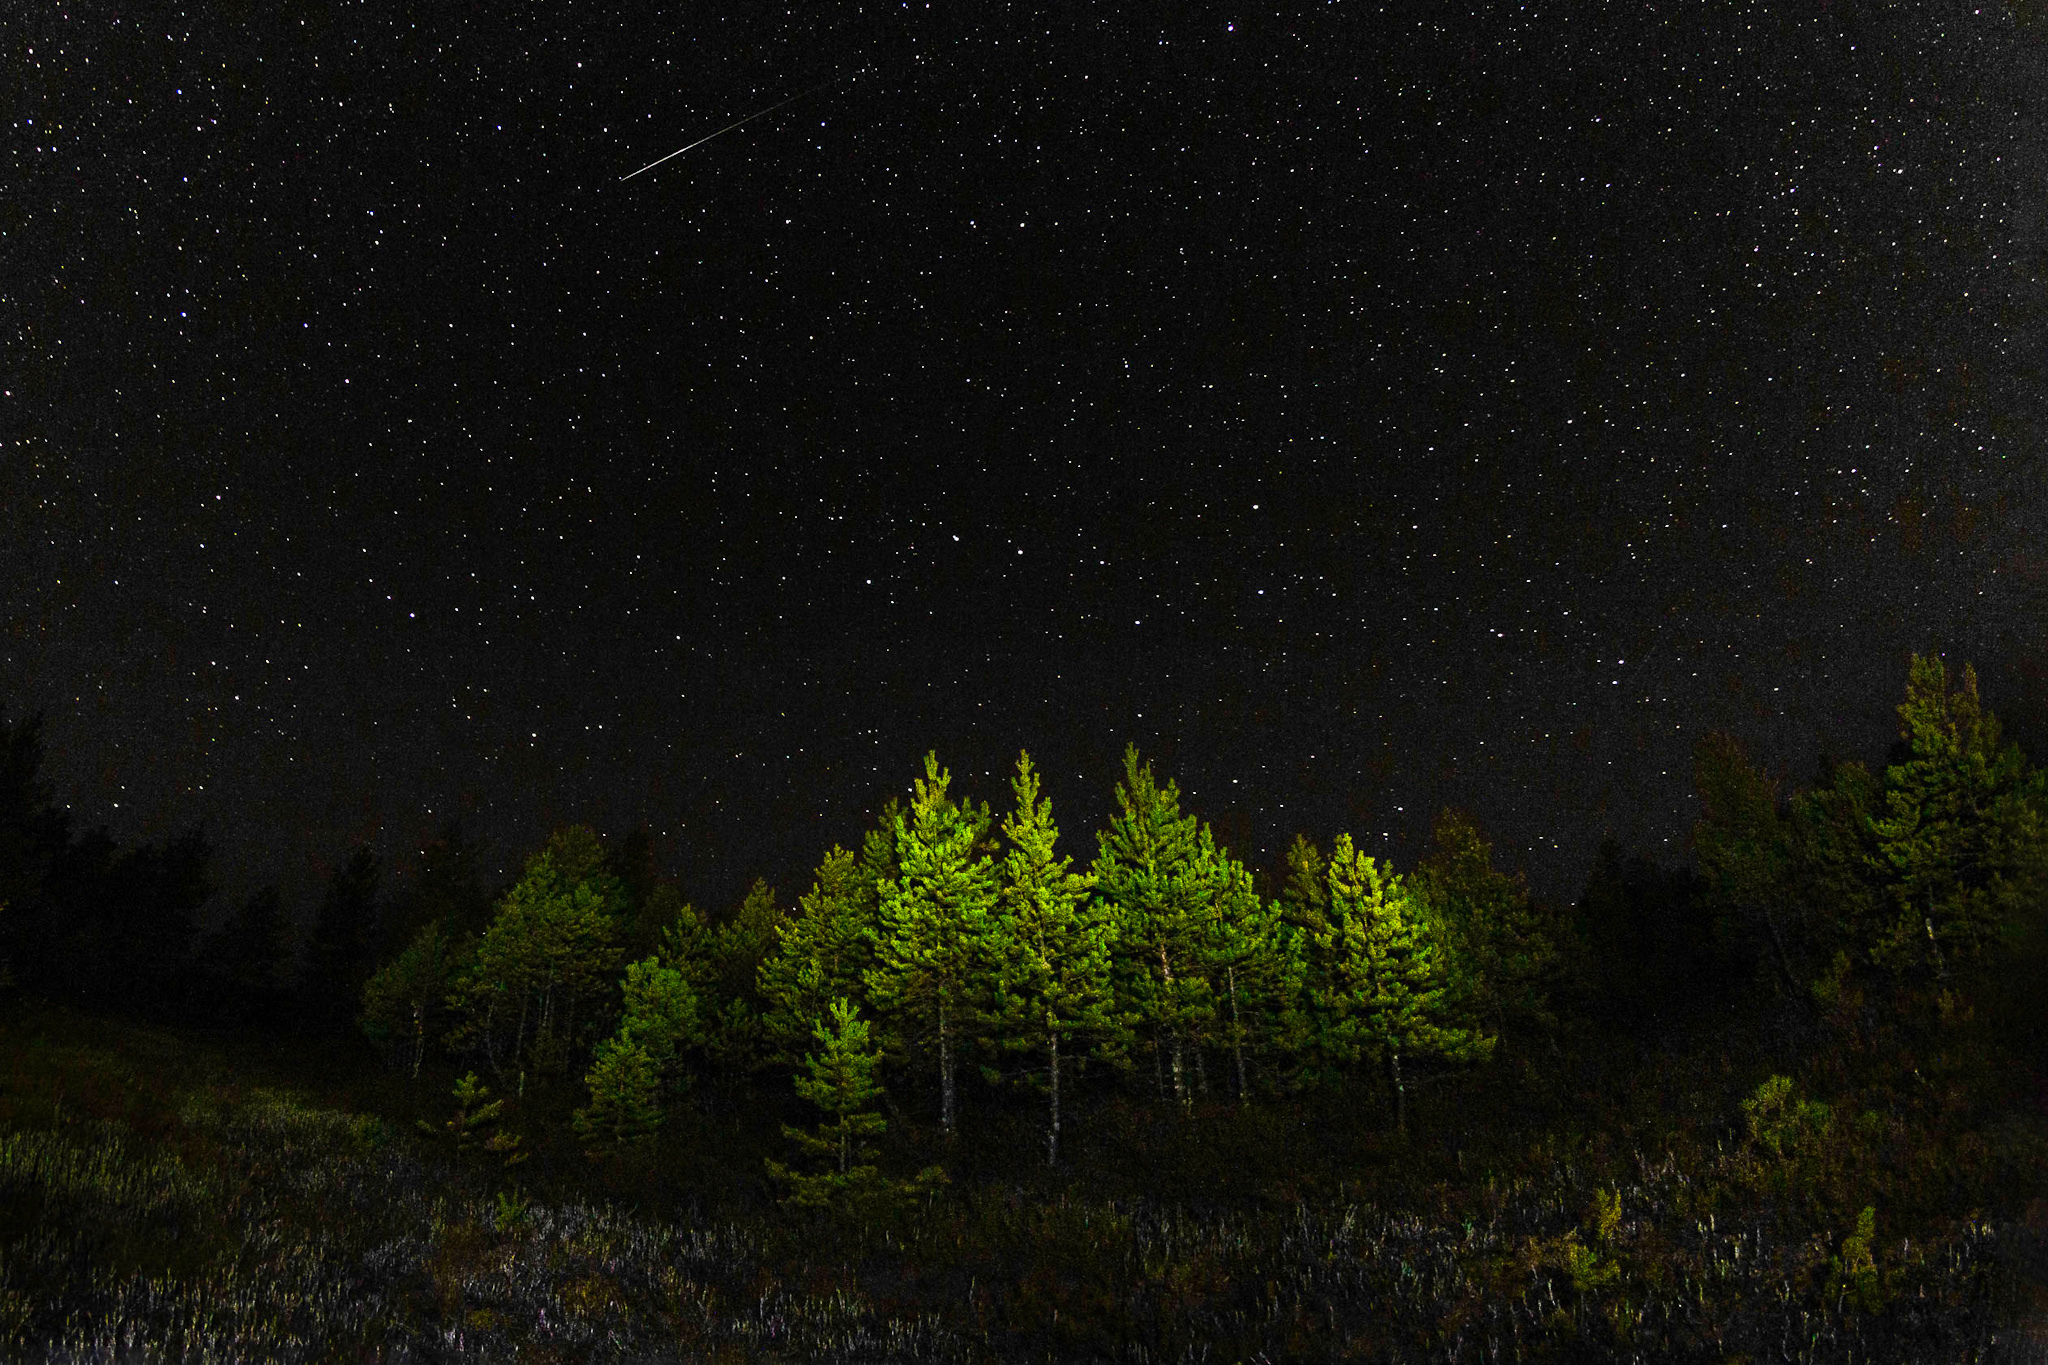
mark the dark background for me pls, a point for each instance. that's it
(1361, 410)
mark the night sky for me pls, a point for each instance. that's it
(1361, 410)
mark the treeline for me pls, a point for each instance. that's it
(964, 948)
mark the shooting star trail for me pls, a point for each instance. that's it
(736, 123)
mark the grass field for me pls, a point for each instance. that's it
(177, 1198)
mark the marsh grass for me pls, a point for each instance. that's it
(178, 1205)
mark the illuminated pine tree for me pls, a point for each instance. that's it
(625, 1098)
(662, 1016)
(1305, 896)
(537, 973)
(1252, 959)
(1500, 951)
(1960, 843)
(1383, 988)
(1052, 943)
(838, 1076)
(822, 952)
(1163, 881)
(933, 923)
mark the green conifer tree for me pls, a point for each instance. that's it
(1960, 842)
(931, 941)
(625, 1098)
(537, 973)
(822, 952)
(838, 1076)
(1051, 941)
(661, 1016)
(403, 1000)
(1155, 872)
(1305, 894)
(1253, 961)
(1499, 951)
(1384, 988)
(469, 1128)
(1744, 841)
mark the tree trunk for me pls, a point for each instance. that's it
(1784, 962)
(1400, 1090)
(1940, 962)
(419, 1037)
(1180, 1084)
(1237, 1041)
(1052, 1133)
(945, 1073)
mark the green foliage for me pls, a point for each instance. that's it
(1747, 844)
(662, 1016)
(1960, 845)
(1379, 993)
(625, 1098)
(1783, 1124)
(1501, 950)
(402, 1001)
(822, 953)
(1853, 1273)
(1165, 885)
(469, 1128)
(839, 1078)
(931, 945)
(743, 943)
(1051, 944)
(1305, 896)
(512, 1208)
(538, 972)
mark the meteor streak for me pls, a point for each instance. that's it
(736, 123)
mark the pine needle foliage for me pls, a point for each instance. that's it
(1382, 993)
(822, 952)
(838, 1076)
(931, 944)
(1052, 943)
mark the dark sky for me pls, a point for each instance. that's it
(1362, 410)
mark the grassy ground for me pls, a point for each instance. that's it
(181, 1197)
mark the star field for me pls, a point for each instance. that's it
(1362, 410)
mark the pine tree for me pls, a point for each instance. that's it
(930, 946)
(1052, 943)
(625, 1098)
(1960, 842)
(402, 1001)
(1743, 840)
(546, 959)
(1833, 867)
(468, 1129)
(1253, 961)
(1148, 871)
(662, 1017)
(1305, 894)
(838, 1076)
(1384, 988)
(822, 952)
(1499, 950)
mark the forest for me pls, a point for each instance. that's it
(983, 1090)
